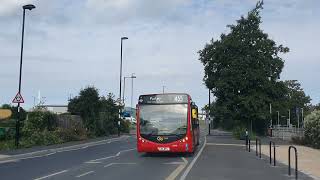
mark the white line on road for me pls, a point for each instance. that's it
(44, 177)
(84, 174)
(110, 164)
(61, 149)
(186, 172)
(178, 170)
(219, 144)
(108, 157)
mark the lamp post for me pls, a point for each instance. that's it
(132, 77)
(25, 7)
(124, 85)
(120, 108)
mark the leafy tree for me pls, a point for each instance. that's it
(312, 129)
(100, 114)
(87, 105)
(242, 69)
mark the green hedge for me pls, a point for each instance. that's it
(312, 129)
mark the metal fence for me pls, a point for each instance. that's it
(286, 133)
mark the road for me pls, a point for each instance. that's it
(220, 158)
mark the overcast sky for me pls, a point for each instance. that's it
(72, 44)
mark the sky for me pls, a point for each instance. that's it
(70, 45)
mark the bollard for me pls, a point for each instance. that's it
(296, 159)
(258, 140)
(249, 145)
(274, 153)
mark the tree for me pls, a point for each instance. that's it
(100, 114)
(87, 105)
(312, 129)
(242, 69)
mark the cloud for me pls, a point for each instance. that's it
(10, 6)
(72, 44)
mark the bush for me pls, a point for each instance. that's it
(239, 132)
(125, 126)
(39, 121)
(41, 138)
(312, 129)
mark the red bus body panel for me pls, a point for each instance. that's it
(185, 144)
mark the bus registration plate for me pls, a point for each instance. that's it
(163, 148)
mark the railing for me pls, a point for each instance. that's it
(296, 159)
(258, 142)
(274, 153)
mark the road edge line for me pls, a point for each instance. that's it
(186, 172)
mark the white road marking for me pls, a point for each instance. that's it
(84, 174)
(186, 172)
(175, 162)
(219, 144)
(178, 170)
(15, 158)
(108, 157)
(44, 177)
(110, 164)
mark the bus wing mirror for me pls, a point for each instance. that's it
(194, 114)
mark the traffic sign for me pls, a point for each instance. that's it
(18, 99)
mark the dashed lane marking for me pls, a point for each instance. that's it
(84, 174)
(50, 175)
(108, 157)
(111, 164)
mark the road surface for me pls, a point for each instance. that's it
(221, 158)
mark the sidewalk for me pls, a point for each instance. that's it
(308, 158)
(226, 158)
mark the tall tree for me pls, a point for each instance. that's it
(242, 69)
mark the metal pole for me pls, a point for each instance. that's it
(120, 103)
(163, 89)
(209, 111)
(124, 88)
(289, 118)
(131, 94)
(270, 115)
(20, 77)
(302, 119)
(278, 118)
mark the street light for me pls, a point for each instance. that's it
(124, 85)
(132, 77)
(28, 7)
(120, 110)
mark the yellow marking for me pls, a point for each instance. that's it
(178, 170)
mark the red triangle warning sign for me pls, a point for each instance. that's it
(18, 99)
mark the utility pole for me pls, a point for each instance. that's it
(163, 89)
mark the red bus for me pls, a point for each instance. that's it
(167, 123)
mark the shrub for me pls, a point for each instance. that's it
(125, 126)
(312, 129)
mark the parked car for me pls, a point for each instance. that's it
(131, 119)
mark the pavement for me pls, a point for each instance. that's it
(218, 157)
(308, 158)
